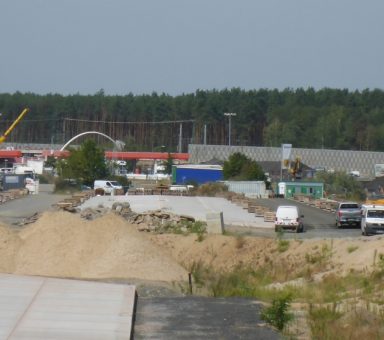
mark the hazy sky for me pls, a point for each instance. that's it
(179, 46)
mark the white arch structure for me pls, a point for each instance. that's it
(88, 133)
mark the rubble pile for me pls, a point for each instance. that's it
(158, 221)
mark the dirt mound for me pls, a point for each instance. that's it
(9, 245)
(226, 252)
(62, 244)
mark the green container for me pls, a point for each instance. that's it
(314, 189)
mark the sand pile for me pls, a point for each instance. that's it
(227, 252)
(9, 245)
(62, 244)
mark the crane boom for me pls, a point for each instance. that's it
(17, 120)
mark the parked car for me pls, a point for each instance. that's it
(288, 217)
(348, 214)
(372, 219)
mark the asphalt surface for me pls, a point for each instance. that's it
(194, 318)
(15, 211)
(317, 223)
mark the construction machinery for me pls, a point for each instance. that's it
(17, 120)
(295, 168)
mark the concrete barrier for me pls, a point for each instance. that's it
(215, 222)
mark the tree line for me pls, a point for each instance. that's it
(308, 118)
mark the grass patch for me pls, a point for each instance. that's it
(323, 321)
(282, 245)
(347, 307)
(351, 249)
(184, 228)
(320, 257)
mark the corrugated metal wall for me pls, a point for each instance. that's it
(248, 188)
(338, 160)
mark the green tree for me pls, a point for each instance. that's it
(85, 164)
(240, 167)
(168, 164)
(51, 162)
(341, 185)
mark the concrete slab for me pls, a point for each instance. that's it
(48, 308)
(193, 317)
(197, 207)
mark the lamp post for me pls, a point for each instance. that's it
(229, 115)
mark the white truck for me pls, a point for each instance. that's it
(372, 219)
(107, 186)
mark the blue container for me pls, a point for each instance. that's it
(199, 175)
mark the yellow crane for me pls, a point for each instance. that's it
(17, 120)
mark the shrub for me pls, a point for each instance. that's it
(240, 167)
(277, 314)
(65, 185)
(45, 179)
(211, 189)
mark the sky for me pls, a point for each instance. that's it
(180, 46)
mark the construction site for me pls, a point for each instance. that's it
(132, 260)
(160, 261)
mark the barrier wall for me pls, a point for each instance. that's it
(338, 160)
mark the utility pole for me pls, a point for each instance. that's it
(205, 134)
(180, 138)
(229, 115)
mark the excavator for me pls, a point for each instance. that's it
(17, 120)
(295, 168)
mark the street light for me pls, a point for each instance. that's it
(229, 115)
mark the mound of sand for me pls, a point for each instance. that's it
(62, 244)
(9, 245)
(226, 252)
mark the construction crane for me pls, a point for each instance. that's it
(17, 120)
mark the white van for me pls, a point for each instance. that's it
(372, 219)
(108, 186)
(288, 217)
(281, 189)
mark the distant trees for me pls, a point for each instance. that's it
(342, 185)
(240, 167)
(326, 118)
